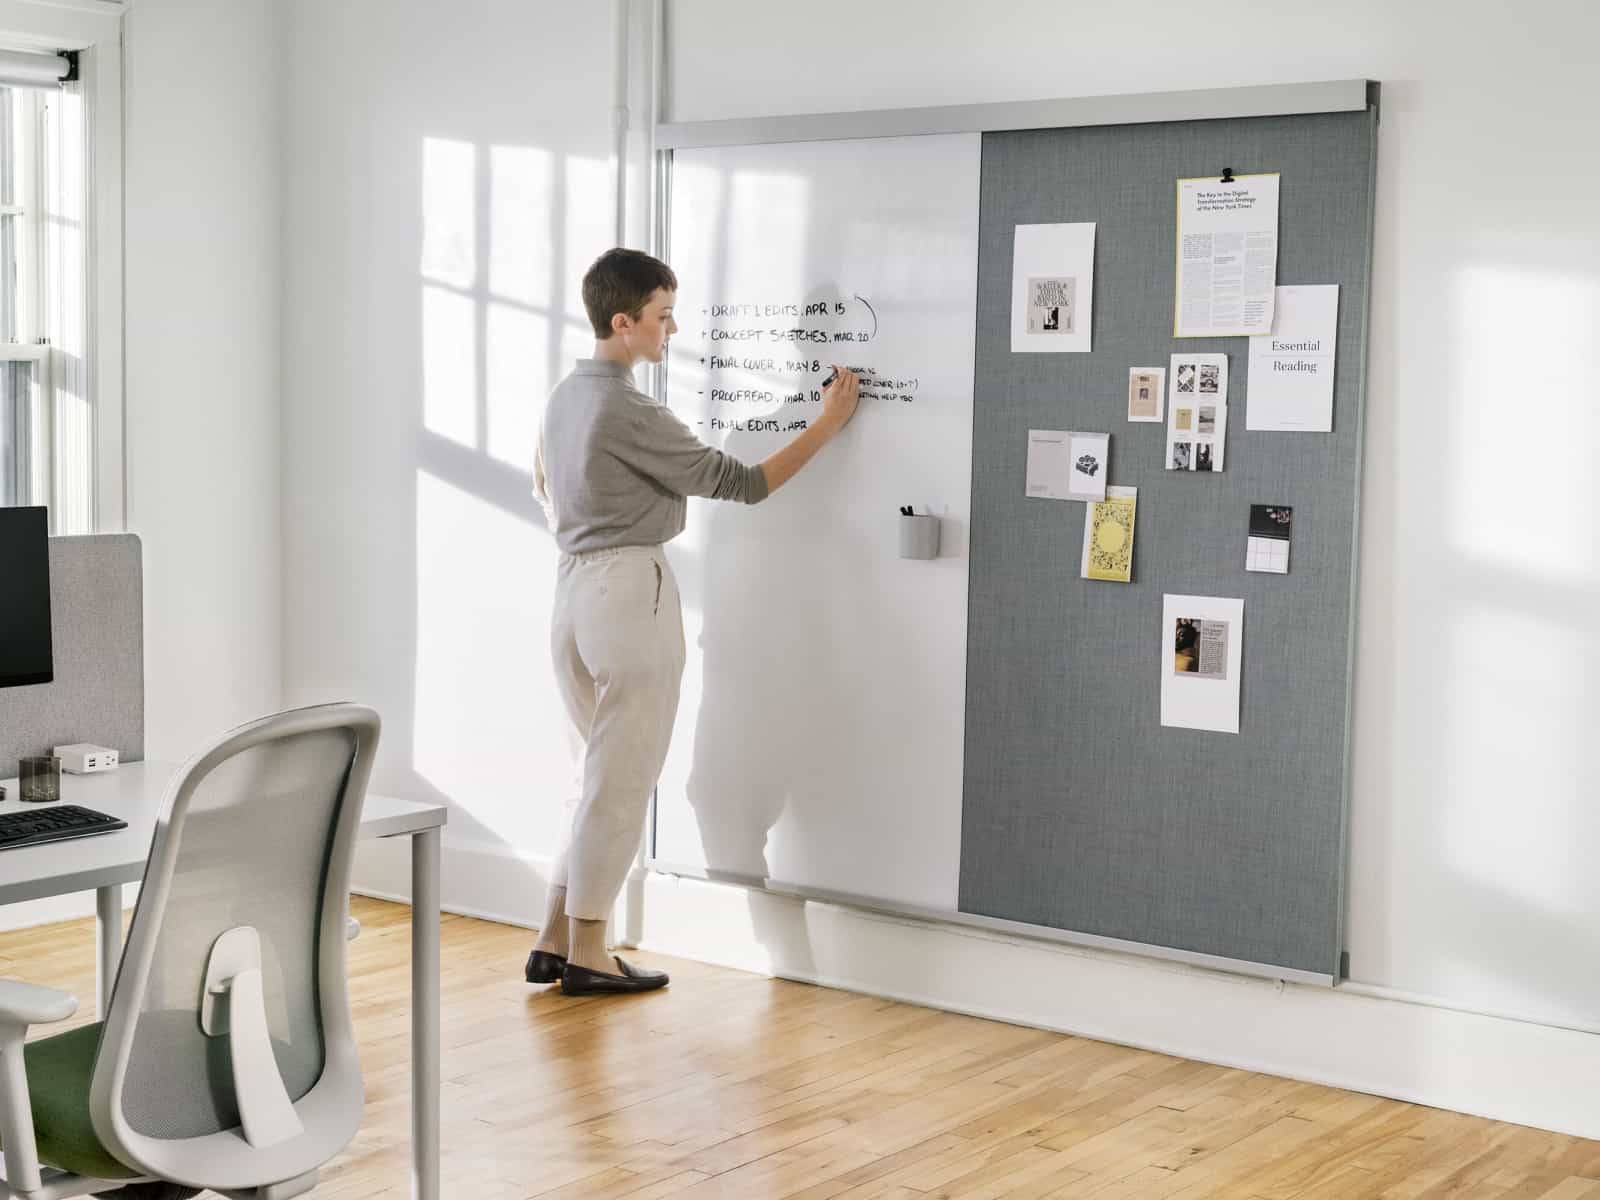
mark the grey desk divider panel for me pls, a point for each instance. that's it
(1080, 811)
(97, 625)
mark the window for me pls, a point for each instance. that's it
(46, 434)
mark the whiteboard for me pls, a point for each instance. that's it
(819, 738)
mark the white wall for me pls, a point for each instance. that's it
(202, 227)
(1473, 819)
(448, 181)
(445, 184)
(203, 215)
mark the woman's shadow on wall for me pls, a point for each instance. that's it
(753, 741)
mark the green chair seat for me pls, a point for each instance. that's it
(59, 1069)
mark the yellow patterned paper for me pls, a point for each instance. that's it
(1111, 539)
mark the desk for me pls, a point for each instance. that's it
(106, 861)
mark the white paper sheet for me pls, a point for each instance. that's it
(1067, 465)
(1197, 412)
(1291, 368)
(1088, 457)
(1227, 256)
(1049, 472)
(1202, 653)
(1147, 395)
(1052, 288)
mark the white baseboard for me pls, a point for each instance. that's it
(1490, 1066)
(47, 911)
(1496, 1067)
(57, 908)
(488, 882)
(492, 883)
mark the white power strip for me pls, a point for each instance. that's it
(84, 758)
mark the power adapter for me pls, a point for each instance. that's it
(85, 758)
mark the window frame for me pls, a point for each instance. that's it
(33, 456)
(93, 28)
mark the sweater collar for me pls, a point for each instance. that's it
(601, 366)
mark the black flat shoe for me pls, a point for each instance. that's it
(544, 967)
(581, 981)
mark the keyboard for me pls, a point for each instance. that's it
(54, 824)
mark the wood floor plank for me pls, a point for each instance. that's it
(1574, 1187)
(732, 1085)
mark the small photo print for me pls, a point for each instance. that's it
(1184, 419)
(1181, 454)
(1186, 377)
(1208, 419)
(1267, 548)
(1200, 648)
(1052, 304)
(1202, 456)
(1145, 385)
(1208, 378)
(1087, 453)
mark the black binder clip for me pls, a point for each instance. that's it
(1227, 175)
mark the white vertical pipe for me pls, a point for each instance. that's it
(658, 66)
(619, 112)
(628, 917)
(657, 83)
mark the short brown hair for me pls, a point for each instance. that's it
(622, 281)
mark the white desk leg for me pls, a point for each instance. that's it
(108, 952)
(425, 1015)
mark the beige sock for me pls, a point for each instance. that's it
(589, 946)
(553, 933)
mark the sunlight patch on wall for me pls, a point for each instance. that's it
(1523, 442)
(449, 365)
(522, 224)
(518, 381)
(449, 212)
(488, 718)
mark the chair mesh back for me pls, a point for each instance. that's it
(254, 850)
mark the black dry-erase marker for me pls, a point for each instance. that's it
(828, 382)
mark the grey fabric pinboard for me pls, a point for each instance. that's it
(1080, 811)
(97, 627)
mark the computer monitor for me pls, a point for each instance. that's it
(26, 654)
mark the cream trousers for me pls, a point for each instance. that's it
(616, 637)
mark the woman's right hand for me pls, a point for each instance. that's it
(839, 398)
(839, 401)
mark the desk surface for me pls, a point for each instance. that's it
(133, 792)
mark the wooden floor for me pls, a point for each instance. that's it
(731, 1085)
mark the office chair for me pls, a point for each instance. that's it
(226, 1060)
